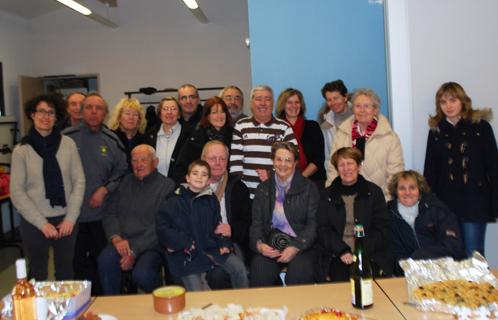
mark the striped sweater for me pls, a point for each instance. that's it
(251, 148)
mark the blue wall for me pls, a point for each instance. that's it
(304, 44)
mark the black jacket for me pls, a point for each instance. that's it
(369, 210)
(436, 235)
(192, 148)
(313, 146)
(301, 202)
(238, 208)
(128, 144)
(185, 132)
(461, 167)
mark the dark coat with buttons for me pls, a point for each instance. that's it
(369, 210)
(301, 202)
(436, 234)
(461, 167)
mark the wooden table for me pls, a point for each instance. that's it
(297, 298)
(395, 289)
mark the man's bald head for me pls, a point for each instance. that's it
(143, 160)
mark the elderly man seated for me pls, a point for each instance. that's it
(129, 224)
(235, 208)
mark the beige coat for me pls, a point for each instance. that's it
(383, 153)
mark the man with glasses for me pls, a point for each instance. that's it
(235, 208)
(104, 162)
(188, 97)
(234, 99)
(253, 138)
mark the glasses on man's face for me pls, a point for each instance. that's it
(215, 159)
(190, 97)
(46, 113)
(232, 98)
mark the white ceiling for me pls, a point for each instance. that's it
(29, 9)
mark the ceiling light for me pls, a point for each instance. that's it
(76, 6)
(191, 4)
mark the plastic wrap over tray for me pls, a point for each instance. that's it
(424, 272)
(56, 300)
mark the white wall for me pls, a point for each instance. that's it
(14, 55)
(448, 40)
(158, 43)
(15, 58)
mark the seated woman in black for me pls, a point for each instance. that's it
(287, 202)
(350, 200)
(422, 226)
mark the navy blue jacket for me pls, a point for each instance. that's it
(186, 219)
(436, 234)
(461, 167)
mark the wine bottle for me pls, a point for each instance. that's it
(361, 273)
(23, 295)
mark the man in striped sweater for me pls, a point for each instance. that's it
(253, 138)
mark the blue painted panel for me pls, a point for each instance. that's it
(304, 44)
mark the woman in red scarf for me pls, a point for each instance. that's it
(291, 108)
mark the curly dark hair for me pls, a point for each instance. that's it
(54, 101)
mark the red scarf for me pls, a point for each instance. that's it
(355, 132)
(298, 129)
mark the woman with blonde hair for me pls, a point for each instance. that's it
(128, 123)
(461, 163)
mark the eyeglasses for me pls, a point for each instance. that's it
(45, 113)
(284, 159)
(364, 106)
(169, 109)
(232, 98)
(191, 97)
(217, 159)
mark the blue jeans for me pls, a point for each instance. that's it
(233, 265)
(146, 272)
(474, 235)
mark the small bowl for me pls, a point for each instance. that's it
(169, 299)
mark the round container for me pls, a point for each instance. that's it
(169, 299)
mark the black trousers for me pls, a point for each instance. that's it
(265, 272)
(36, 247)
(90, 242)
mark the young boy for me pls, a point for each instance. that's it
(185, 224)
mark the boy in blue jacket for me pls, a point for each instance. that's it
(186, 224)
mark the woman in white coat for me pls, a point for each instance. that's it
(370, 132)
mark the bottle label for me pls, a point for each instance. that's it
(24, 308)
(366, 292)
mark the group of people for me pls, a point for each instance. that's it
(211, 198)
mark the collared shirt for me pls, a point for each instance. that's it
(223, 207)
(165, 145)
(251, 148)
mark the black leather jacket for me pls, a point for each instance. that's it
(301, 203)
